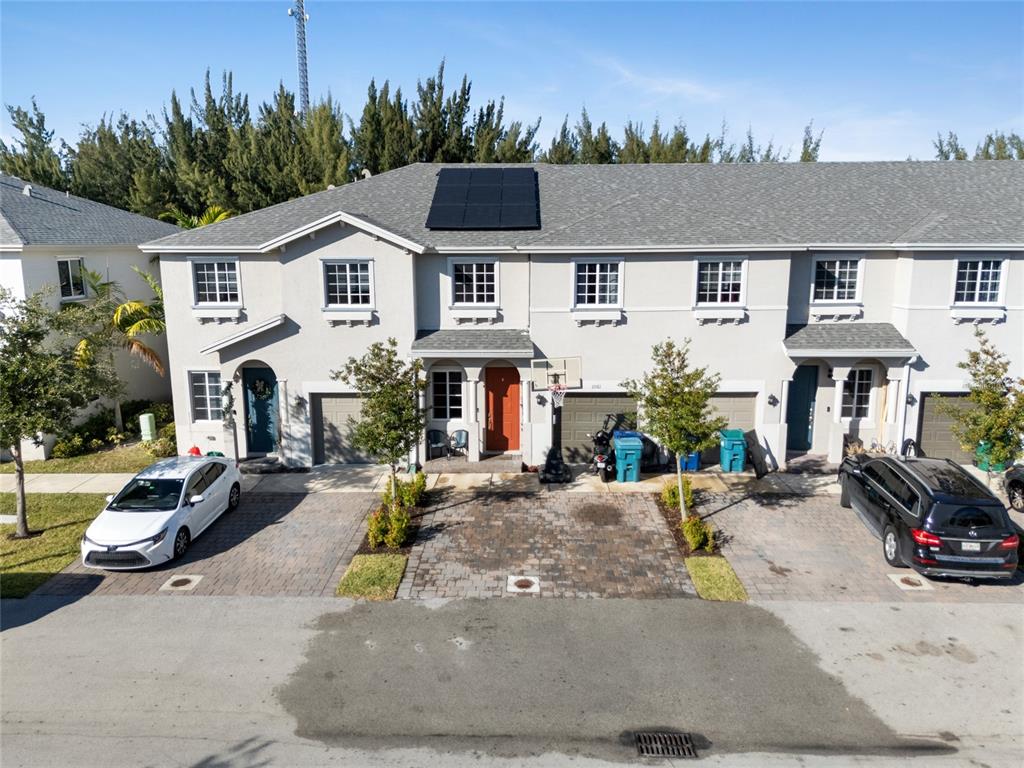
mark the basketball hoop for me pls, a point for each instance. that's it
(557, 392)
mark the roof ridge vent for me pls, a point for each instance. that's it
(27, 191)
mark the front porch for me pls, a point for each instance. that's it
(486, 464)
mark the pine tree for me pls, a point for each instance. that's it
(324, 147)
(565, 147)
(595, 148)
(634, 147)
(811, 145)
(33, 158)
(948, 148)
(367, 137)
(1000, 146)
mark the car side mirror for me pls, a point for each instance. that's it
(855, 469)
(110, 497)
(197, 499)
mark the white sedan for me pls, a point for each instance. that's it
(158, 514)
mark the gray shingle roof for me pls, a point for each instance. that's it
(49, 217)
(838, 337)
(688, 205)
(505, 340)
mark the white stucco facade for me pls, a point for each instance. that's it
(278, 321)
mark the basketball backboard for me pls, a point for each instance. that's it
(567, 371)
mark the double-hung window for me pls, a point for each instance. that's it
(446, 394)
(474, 282)
(72, 284)
(977, 281)
(215, 282)
(347, 284)
(205, 394)
(719, 282)
(835, 279)
(597, 284)
(857, 394)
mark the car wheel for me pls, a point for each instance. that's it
(844, 493)
(891, 547)
(1016, 494)
(234, 497)
(181, 541)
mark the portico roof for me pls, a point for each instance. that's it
(473, 342)
(846, 340)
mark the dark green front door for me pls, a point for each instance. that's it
(803, 391)
(260, 409)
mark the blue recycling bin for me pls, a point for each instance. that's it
(733, 451)
(628, 452)
(690, 462)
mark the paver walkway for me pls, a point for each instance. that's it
(809, 548)
(273, 544)
(575, 544)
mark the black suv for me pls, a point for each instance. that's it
(931, 515)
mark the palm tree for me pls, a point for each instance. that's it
(135, 318)
(212, 215)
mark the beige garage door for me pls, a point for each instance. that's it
(935, 436)
(331, 443)
(585, 413)
(739, 410)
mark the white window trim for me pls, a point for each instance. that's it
(979, 311)
(188, 389)
(585, 308)
(470, 305)
(353, 308)
(462, 390)
(857, 300)
(741, 304)
(872, 395)
(204, 308)
(85, 289)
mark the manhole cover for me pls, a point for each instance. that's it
(910, 582)
(520, 584)
(180, 582)
(664, 744)
(183, 583)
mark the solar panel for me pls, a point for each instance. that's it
(485, 198)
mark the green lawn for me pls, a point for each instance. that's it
(62, 518)
(127, 458)
(715, 579)
(372, 577)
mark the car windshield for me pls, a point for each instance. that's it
(969, 517)
(142, 495)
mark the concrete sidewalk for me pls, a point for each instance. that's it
(364, 479)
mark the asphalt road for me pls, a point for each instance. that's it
(245, 682)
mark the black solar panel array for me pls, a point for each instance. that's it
(485, 198)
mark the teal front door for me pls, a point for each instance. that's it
(803, 392)
(260, 409)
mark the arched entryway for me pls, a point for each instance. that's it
(259, 408)
(502, 408)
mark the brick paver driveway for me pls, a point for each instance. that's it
(786, 547)
(273, 544)
(576, 544)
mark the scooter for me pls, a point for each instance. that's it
(603, 461)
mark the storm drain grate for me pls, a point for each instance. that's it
(664, 744)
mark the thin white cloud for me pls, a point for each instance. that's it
(660, 85)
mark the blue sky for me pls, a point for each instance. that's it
(879, 78)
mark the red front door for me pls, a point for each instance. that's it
(501, 386)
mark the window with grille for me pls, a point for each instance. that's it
(205, 392)
(597, 283)
(719, 282)
(977, 281)
(835, 280)
(857, 394)
(446, 394)
(474, 283)
(216, 282)
(72, 285)
(347, 284)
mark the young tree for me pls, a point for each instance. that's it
(675, 404)
(41, 385)
(995, 413)
(391, 422)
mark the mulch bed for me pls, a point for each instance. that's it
(673, 519)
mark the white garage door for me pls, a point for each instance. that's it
(331, 439)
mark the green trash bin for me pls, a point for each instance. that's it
(628, 452)
(981, 460)
(733, 450)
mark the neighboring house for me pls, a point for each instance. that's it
(48, 237)
(835, 299)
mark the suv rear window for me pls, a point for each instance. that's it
(969, 517)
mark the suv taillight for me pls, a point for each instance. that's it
(1010, 542)
(924, 538)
